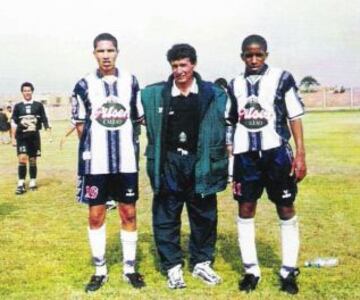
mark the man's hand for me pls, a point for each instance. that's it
(298, 167)
(229, 149)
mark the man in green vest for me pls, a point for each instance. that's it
(186, 163)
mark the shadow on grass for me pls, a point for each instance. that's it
(7, 209)
(228, 248)
(53, 181)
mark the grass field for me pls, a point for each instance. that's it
(44, 251)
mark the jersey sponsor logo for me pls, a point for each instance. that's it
(91, 192)
(111, 114)
(29, 123)
(253, 116)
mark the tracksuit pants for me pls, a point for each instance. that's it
(177, 189)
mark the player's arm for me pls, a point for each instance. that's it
(295, 110)
(136, 105)
(43, 117)
(78, 112)
(79, 129)
(13, 123)
(299, 164)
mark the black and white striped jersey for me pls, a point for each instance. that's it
(107, 106)
(261, 106)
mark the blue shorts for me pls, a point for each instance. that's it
(98, 189)
(254, 171)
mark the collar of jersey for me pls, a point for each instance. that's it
(175, 91)
(28, 102)
(99, 75)
(260, 72)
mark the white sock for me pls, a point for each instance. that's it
(32, 182)
(290, 243)
(21, 182)
(246, 236)
(97, 240)
(128, 242)
(231, 165)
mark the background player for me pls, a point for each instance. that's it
(265, 101)
(27, 119)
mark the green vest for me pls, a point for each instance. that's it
(212, 163)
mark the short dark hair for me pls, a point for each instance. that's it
(180, 51)
(105, 37)
(27, 84)
(254, 39)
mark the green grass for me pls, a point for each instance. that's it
(44, 251)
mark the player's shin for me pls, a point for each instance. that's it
(290, 243)
(128, 242)
(21, 173)
(246, 238)
(97, 240)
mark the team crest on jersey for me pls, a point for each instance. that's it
(253, 116)
(111, 114)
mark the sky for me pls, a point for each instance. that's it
(50, 42)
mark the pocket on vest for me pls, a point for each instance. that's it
(218, 164)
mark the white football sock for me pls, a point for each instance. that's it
(128, 242)
(231, 165)
(21, 182)
(246, 236)
(97, 240)
(290, 243)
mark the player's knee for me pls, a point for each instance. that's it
(23, 159)
(127, 214)
(32, 161)
(247, 210)
(285, 212)
(96, 220)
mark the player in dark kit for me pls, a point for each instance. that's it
(27, 120)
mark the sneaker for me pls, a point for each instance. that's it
(206, 273)
(248, 283)
(135, 279)
(175, 278)
(96, 282)
(32, 185)
(289, 284)
(111, 204)
(20, 189)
